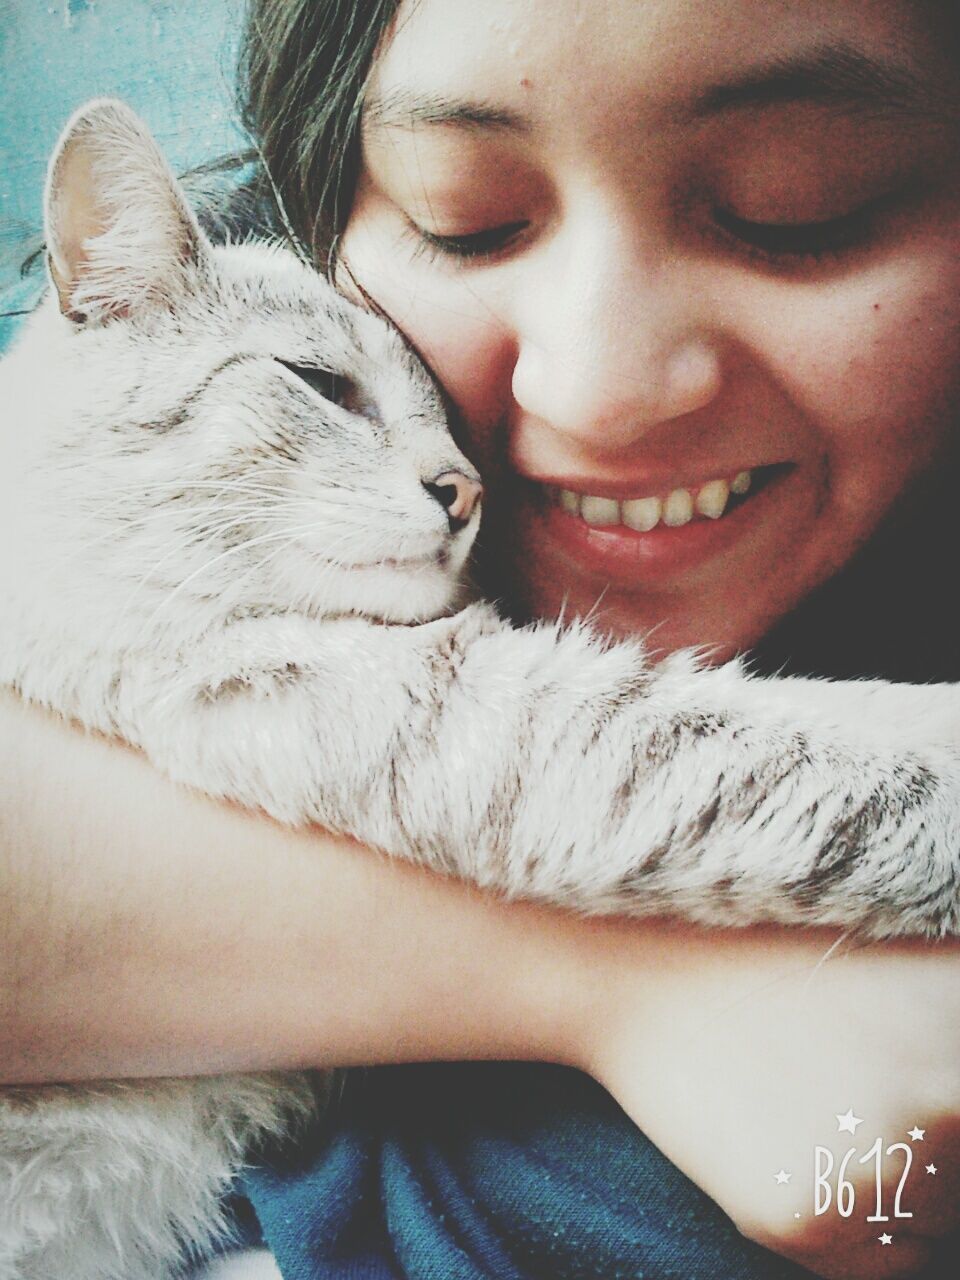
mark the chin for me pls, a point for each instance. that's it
(666, 622)
(407, 597)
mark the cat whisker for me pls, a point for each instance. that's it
(194, 536)
(121, 514)
(236, 516)
(267, 493)
(224, 486)
(248, 508)
(291, 535)
(137, 523)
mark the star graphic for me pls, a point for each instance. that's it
(782, 1177)
(885, 1239)
(915, 1134)
(848, 1123)
(931, 1168)
(796, 1215)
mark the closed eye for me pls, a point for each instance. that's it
(783, 241)
(479, 245)
(331, 386)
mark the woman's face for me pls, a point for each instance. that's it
(656, 248)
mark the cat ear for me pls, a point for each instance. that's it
(120, 234)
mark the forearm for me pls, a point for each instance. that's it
(752, 1044)
(151, 931)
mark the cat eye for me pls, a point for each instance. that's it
(331, 386)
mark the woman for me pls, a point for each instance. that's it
(648, 253)
(651, 252)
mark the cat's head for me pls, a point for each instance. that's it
(244, 434)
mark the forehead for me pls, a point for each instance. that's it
(515, 64)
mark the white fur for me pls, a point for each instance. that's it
(202, 555)
(110, 1180)
(250, 1264)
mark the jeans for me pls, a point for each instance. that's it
(496, 1171)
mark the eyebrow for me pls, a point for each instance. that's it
(836, 74)
(403, 108)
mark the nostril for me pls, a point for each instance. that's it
(457, 494)
(445, 494)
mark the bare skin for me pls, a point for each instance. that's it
(124, 953)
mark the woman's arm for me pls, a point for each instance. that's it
(149, 931)
(753, 1046)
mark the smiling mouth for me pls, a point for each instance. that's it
(710, 501)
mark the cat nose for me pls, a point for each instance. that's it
(458, 494)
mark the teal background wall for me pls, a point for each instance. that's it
(172, 60)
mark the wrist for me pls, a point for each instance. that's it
(482, 978)
(656, 981)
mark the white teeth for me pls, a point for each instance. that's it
(740, 482)
(642, 514)
(678, 509)
(712, 499)
(600, 511)
(570, 502)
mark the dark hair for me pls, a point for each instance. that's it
(303, 67)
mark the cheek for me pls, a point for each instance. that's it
(872, 370)
(469, 352)
(455, 330)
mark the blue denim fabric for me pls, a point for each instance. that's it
(495, 1171)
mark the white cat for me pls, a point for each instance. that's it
(233, 527)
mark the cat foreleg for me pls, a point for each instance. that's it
(547, 764)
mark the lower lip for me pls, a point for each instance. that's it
(619, 554)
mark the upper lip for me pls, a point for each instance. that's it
(649, 484)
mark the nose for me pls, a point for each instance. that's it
(458, 494)
(613, 338)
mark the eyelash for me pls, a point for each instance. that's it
(478, 246)
(792, 244)
(783, 244)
